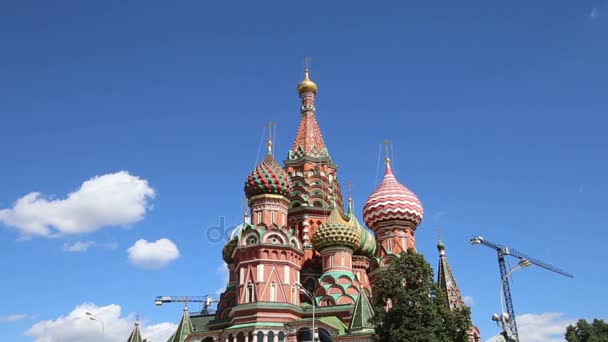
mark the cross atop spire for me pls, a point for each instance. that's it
(270, 126)
(388, 146)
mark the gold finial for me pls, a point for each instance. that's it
(387, 143)
(307, 85)
(271, 126)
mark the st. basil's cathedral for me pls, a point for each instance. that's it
(297, 244)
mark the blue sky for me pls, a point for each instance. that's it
(497, 112)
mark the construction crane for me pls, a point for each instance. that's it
(502, 251)
(206, 301)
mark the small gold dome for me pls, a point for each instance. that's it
(307, 85)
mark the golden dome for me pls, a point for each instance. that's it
(307, 85)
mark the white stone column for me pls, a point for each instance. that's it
(265, 337)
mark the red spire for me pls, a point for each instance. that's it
(309, 140)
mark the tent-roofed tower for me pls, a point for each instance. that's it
(135, 334)
(446, 281)
(447, 284)
(314, 180)
(183, 329)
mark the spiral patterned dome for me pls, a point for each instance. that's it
(268, 178)
(336, 232)
(392, 201)
(367, 246)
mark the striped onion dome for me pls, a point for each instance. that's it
(367, 246)
(268, 178)
(336, 232)
(392, 201)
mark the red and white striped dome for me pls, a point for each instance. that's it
(392, 201)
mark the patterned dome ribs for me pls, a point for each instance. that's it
(268, 178)
(336, 232)
(392, 201)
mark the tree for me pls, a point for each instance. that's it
(597, 331)
(417, 310)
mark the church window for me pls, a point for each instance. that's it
(330, 262)
(294, 294)
(389, 245)
(273, 292)
(260, 273)
(286, 275)
(272, 217)
(342, 261)
(259, 217)
(250, 293)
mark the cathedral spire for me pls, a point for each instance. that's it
(183, 329)
(309, 141)
(135, 334)
(446, 281)
(362, 313)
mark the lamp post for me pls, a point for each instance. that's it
(92, 317)
(312, 299)
(504, 318)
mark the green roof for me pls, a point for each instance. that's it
(135, 335)
(200, 323)
(183, 329)
(361, 314)
(332, 321)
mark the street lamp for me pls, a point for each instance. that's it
(504, 318)
(312, 299)
(99, 320)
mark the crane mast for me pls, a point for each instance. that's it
(503, 251)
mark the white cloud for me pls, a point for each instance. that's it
(545, 327)
(116, 199)
(153, 254)
(12, 318)
(224, 275)
(468, 300)
(594, 13)
(78, 246)
(83, 246)
(76, 327)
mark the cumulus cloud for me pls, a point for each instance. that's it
(224, 275)
(12, 318)
(77, 327)
(153, 255)
(116, 199)
(545, 327)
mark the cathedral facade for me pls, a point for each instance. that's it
(300, 258)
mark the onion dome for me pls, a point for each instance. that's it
(307, 85)
(367, 246)
(392, 201)
(235, 237)
(336, 232)
(268, 178)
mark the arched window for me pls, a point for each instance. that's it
(250, 293)
(304, 335)
(294, 295)
(271, 336)
(330, 262)
(324, 335)
(389, 245)
(273, 292)
(281, 336)
(260, 336)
